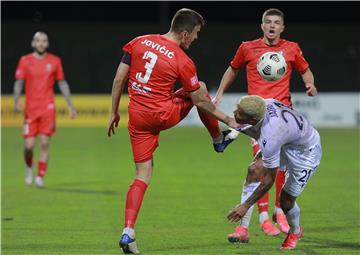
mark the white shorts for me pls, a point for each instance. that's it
(301, 163)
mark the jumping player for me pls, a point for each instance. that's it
(39, 71)
(152, 64)
(247, 55)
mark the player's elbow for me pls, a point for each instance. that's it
(118, 80)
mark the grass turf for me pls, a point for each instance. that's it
(81, 209)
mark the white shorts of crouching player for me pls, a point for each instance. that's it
(301, 164)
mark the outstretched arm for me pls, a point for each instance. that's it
(266, 183)
(65, 90)
(226, 81)
(18, 87)
(117, 89)
(201, 99)
(308, 79)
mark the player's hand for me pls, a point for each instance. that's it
(311, 90)
(73, 113)
(17, 107)
(231, 122)
(113, 123)
(237, 212)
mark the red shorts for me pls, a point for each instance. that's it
(144, 127)
(40, 125)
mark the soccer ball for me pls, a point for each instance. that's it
(271, 66)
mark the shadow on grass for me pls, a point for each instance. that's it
(84, 191)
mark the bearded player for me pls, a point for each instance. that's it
(38, 71)
(247, 55)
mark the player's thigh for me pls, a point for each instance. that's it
(143, 144)
(144, 129)
(301, 167)
(179, 110)
(47, 123)
(31, 127)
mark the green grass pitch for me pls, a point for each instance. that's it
(185, 207)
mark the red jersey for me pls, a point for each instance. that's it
(156, 64)
(39, 76)
(249, 53)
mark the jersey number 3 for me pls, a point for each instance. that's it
(148, 66)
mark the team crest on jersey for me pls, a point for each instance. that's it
(48, 67)
(194, 80)
(281, 52)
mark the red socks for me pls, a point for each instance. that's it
(42, 166)
(210, 123)
(263, 203)
(134, 199)
(279, 182)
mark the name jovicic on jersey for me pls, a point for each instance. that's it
(159, 48)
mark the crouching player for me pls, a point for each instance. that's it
(286, 138)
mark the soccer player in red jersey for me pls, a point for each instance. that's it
(39, 71)
(152, 64)
(247, 55)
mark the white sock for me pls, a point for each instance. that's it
(218, 139)
(129, 231)
(233, 134)
(263, 216)
(293, 217)
(248, 189)
(245, 221)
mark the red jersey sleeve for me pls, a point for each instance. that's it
(20, 72)
(129, 46)
(239, 58)
(188, 76)
(60, 71)
(300, 63)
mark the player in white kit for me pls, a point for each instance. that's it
(285, 138)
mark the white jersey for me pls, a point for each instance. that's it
(282, 128)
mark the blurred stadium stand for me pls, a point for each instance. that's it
(89, 37)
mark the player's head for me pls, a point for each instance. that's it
(272, 23)
(40, 42)
(186, 24)
(250, 110)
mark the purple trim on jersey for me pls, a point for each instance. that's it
(126, 58)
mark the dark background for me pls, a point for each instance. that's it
(88, 36)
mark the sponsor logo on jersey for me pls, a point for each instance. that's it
(264, 142)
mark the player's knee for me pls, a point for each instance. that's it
(251, 176)
(29, 147)
(44, 145)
